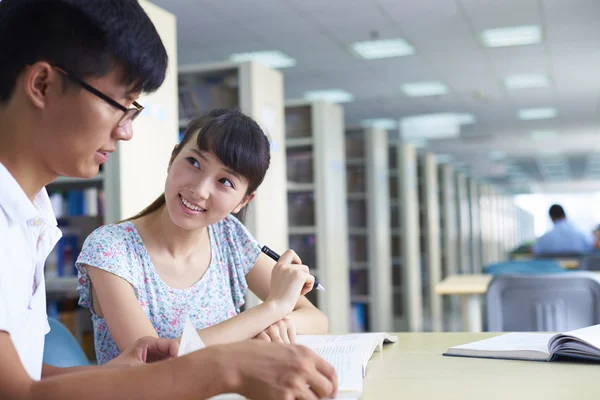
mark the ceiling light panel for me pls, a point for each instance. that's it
(331, 95)
(269, 58)
(528, 114)
(512, 36)
(526, 81)
(385, 48)
(423, 89)
(543, 135)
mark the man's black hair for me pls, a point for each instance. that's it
(557, 212)
(86, 37)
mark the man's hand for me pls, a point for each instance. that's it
(283, 331)
(276, 371)
(146, 350)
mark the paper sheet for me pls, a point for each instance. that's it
(514, 341)
(190, 340)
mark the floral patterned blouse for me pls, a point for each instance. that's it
(217, 296)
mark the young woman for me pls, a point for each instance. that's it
(186, 256)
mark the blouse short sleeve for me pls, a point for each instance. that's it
(109, 248)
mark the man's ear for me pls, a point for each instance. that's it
(38, 80)
(244, 202)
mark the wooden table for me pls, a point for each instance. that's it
(471, 288)
(414, 368)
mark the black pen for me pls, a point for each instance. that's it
(275, 257)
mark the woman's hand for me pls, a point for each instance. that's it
(289, 280)
(283, 331)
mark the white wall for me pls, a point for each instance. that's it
(582, 209)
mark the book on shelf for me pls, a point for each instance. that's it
(581, 343)
(208, 92)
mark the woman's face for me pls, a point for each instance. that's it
(200, 190)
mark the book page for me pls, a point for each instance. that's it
(346, 359)
(532, 346)
(588, 336)
(360, 345)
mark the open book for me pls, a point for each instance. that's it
(582, 343)
(348, 354)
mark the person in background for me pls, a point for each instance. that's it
(563, 238)
(596, 233)
(187, 256)
(70, 75)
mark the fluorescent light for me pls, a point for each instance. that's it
(444, 158)
(518, 178)
(512, 36)
(433, 126)
(541, 135)
(421, 89)
(385, 48)
(417, 143)
(497, 155)
(526, 81)
(269, 58)
(552, 156)
(465, 119)
(527, 114)
(383, 123)
(332, 95)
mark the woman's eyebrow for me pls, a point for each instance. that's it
(228, 170)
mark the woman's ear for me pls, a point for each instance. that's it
(173, 155)
(247, 199)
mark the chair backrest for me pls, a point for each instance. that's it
(591, 262)
(61, 349)
(523, 267)
(561, 256)
(555, 302)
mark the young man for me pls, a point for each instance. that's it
(563, 238)
(71, 71)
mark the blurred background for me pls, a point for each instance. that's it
(412, 142)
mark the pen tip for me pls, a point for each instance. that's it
(321, 288)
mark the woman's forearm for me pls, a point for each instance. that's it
(243, 326)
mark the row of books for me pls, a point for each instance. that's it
(298, 122)
(86, 202)
(218, 91)
(79, 212)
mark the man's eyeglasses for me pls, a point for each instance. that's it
(129, 113)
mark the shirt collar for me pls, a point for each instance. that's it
(561, 222)
(17, 206)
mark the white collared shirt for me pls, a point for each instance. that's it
(28, 232)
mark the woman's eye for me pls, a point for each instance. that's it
(193, 162)
(227, 182)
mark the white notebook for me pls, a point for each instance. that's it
(582, 343)
(348, 354)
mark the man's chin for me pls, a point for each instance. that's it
(84, 173)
